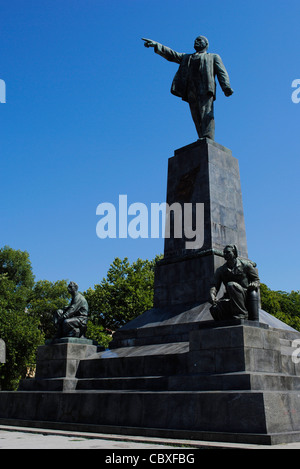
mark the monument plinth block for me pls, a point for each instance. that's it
(57, 364)
(206, 172)
(235, 349)
(201, 173)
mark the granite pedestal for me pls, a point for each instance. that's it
(233, 382)
(57, 364)
(173, 371)
(203, 172)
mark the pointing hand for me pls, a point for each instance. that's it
(148, 42)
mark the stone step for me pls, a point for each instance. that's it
(222, 380)
(133, 366)
(262, 412)
(185, 360)
(218, 382)
(151, 333)
(197, 382)
(50, 384)
(141, 383)
(235, 381)
(175, 327)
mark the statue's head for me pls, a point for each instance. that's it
(230, 252)
(201, 44)
(72, 287)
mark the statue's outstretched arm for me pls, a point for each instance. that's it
(164, 51)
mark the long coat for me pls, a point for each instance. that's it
(210, 66)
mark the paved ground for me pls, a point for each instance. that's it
(24, 440)
(29, 438)
(45, 439)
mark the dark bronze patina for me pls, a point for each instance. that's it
(71, 321)
(241, 282)
(195, 82)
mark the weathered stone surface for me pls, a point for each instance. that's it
(226, 382)
(203, 172)
(206, 172)
(57, 364)
(174, 371)
(2, 351)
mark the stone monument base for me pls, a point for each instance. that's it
(230, 382)
(173, 371)
(57, 364)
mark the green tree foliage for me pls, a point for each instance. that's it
(284, 306)
(125, 293)
(98, 333)
(17, 329)
(45, 298)
(22, 337)
(16, 276)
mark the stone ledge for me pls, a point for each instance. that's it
(202, 142)
(236, 335)
(71, 340)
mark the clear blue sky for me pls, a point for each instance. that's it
(89, 116)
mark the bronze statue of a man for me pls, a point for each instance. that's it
(195, 82)
(241, 282)
(71, 321)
